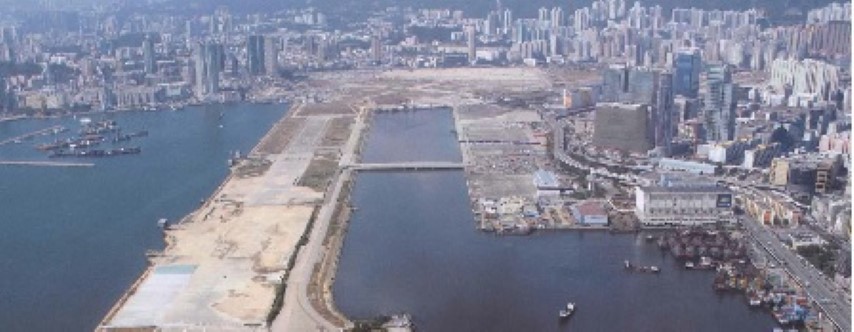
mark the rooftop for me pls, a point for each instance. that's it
(682, 189)
(591, 208)
(545, 179)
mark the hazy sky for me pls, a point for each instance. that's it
(471, 7)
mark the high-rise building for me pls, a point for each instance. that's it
(472, 48)
(687, 64)
(200, 70)
(665, 124)
(271, 55)
(644, 86)
(148, 55)
(719, 104)
(807, 77)
(622, 127)
(543, 16)
(507, 21)
(557, 17)
(255, 54)
(209, 60)
(520, 33)
(615, 83)
(491, 25)
(376, 49)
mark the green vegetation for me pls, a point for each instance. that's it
(822, 257)
(279, 300)
(782, 136)
(320, 171)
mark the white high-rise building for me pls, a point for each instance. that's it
(813, 78)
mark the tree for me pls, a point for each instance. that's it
(781, 136)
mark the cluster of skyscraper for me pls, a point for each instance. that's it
(656, 88)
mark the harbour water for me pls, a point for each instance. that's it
(74, 239)
(412, 247)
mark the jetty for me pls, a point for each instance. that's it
(31, 134)
(44, 163)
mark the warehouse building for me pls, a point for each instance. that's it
(660, 206)
(590, 213)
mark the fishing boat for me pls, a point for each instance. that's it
(755, 301)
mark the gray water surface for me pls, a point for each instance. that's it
(74, 239)
(412, 247)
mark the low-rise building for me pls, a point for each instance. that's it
(800, 240)
(590, 213)
(771, 209)
(546, 183)
(694, 167)
(806, 174)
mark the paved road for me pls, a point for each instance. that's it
(834, 300)
(297, 313)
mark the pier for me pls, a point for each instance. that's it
(31, 134)
(44, 163)
(414, 166)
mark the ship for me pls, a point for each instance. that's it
(570, 308)
(705, 262)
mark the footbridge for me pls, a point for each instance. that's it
(414, 166)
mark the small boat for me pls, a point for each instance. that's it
(649, 238)
(705, 262)
(689, 265)
(570, 308)
(654, 269)
(755, 302)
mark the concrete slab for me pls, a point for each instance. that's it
(155, 296)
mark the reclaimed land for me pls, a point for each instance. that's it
(223, 263)
(270, 236)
